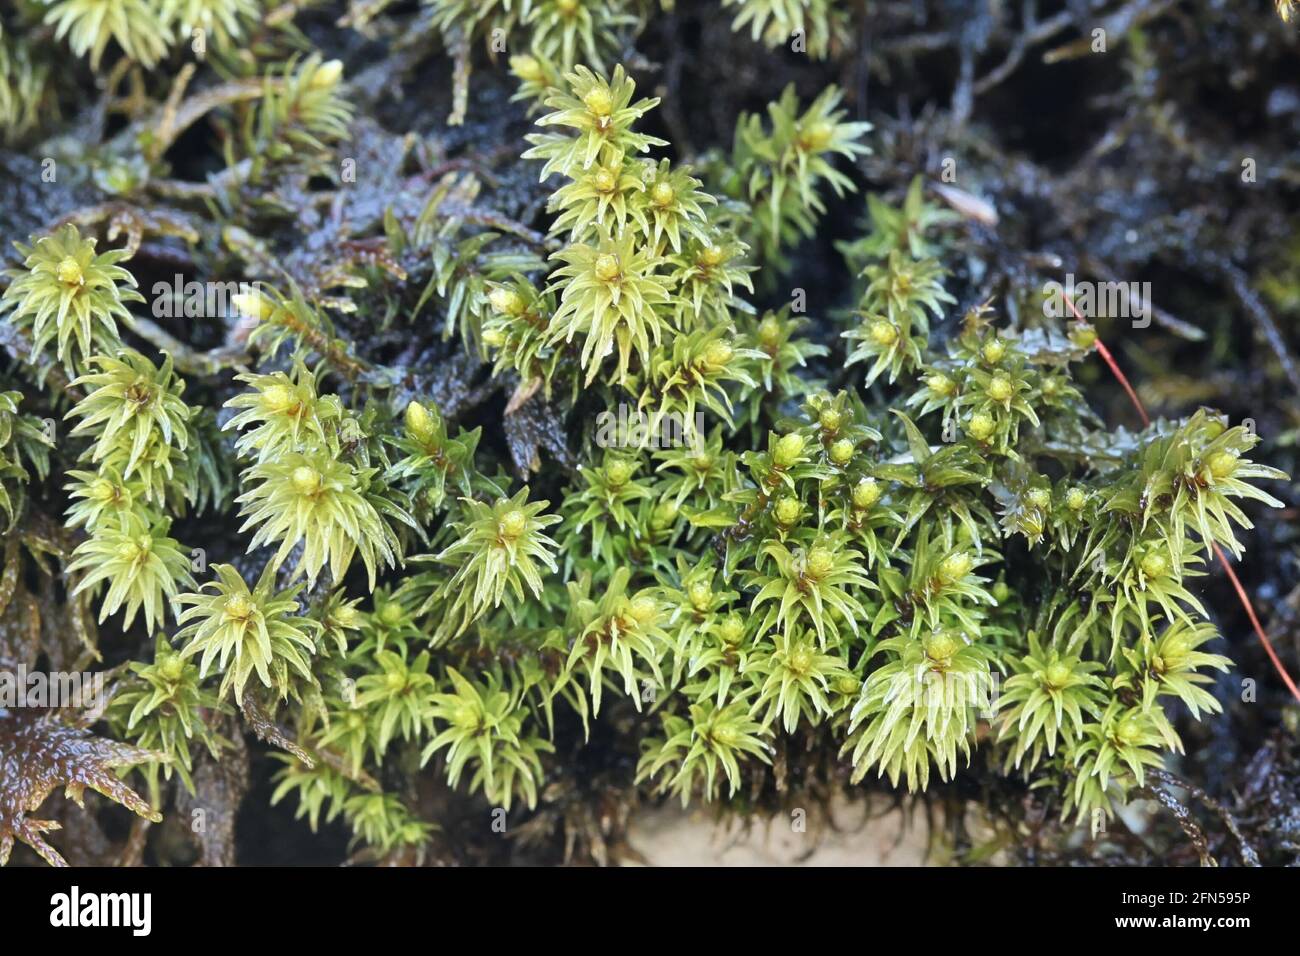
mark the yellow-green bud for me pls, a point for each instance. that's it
(103, 490)
(326, 75)
(129, 552)
(993, 351)
(171, 668)
(239, 607)
(732, 630)
(786, 512)
(1154, 564)
(1039, 498)
(941, 647)
(800, 660)
(1075, 499)
(830, 419)
(507, 301)
(1129, 731)
(598, 100)
(817, 136)
(604, 180)
(346, 616)
(1222, 464)
(512, 524)
(644, 609)
(711, 256)
(820, 563)
(527, 68)
(1083, 336)
(725, 736)
(1000, 389)
(1057, 675)
(617, 473)
(280, 399)
(69, 272)
(769, 332)
(306, 480)
(419, 423)
(700, 595)
(253, 305)
(941, 384)
(883, 333)
(607, 267)
(664, 515)
(842, 452)
(718, 355)
(955, 567)
(662, 193)
(980, 426)
(390, 615)
(866, 493)
(787, 451)
(847, 686)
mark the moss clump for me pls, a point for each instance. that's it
(892, 538)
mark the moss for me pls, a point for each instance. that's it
(885, 544)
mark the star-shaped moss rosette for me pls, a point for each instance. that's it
(66, 292)
(39, 753)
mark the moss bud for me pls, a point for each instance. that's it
(786, 512)
(866, 493)
(1154, 564)
(527, 68)
(941, 647)
(732, 630)
(598, 100)
(820, 563)
(955, 567)
(512, 525)
(1222, 464)
(718, 355)
(607, 267)
(306, 480)
(419, 423)
(980, 426)
(1057, 675)
(327, 75)
(644, 609)
(883, 333)
(69, 272)
(1000, 389)
(941, 384)
(618, 472)
(1083, 335)
(507, 302)
(788, 450)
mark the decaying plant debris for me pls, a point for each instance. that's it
(313, 311)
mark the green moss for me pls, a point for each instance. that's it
(946, 553)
